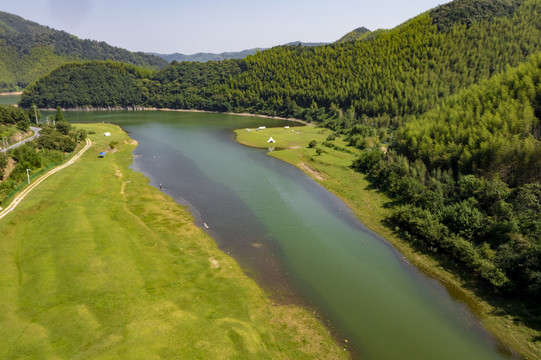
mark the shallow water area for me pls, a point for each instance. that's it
(297, 240)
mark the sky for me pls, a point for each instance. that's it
(191, 26)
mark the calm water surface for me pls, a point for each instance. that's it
(9, 99)
(299, 241)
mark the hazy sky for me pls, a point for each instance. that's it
(190, 26)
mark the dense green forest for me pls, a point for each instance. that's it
(99, 83)
(446, 107)
(466, 180)
(29, 51)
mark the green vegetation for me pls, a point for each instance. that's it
(74, 84)
(359, 33)
(465, 180)
(48, 150)
(135, 278)
(29, 51)
(469, 11)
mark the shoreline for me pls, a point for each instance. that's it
(11, 93)
(141, 108)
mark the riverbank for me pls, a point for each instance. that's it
(332, 170)
(112, 267)
(142, 108)
(16, 93)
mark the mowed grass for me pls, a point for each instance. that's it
(96, 264)
(332, 169)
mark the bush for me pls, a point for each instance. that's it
(312, 144)
(56, 141)
(63, 127)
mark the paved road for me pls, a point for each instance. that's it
(36, 131)
(36, 182)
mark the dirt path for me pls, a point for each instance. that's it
(313, 172)
(25, 192)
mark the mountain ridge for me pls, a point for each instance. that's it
(228, 55)
(29, 50)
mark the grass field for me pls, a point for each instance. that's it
(332, 170)
(96, 264)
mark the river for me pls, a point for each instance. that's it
(297, 240)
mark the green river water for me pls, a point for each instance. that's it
(299, 241)
(9, 99)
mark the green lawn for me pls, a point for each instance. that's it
(332, 170)
(96, 264)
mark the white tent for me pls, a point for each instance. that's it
(271, 140)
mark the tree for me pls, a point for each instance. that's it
(63, 127)
(59, 115)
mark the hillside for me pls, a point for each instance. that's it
(29, 50)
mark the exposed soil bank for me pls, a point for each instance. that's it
(142, 108)
(11, 93)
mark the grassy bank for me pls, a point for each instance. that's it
(96, 264)
(331, 168)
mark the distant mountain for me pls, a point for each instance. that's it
(305, 44)
(29, 50)
(361, 34)
(204, 57)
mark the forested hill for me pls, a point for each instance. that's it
(401, 72)
(29, 50)
(465, 180)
